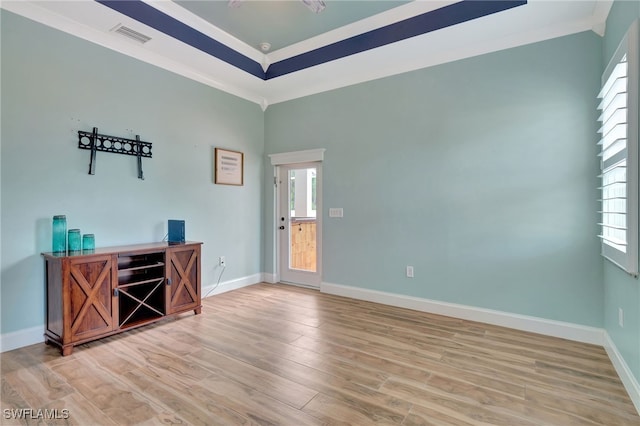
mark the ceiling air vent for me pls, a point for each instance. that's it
(131, 34)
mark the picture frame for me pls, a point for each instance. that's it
(229, 167)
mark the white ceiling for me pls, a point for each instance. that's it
(534, 21)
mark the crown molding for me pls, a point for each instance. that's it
(536, 21)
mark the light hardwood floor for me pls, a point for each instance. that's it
(280, 355)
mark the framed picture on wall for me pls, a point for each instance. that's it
(229, 167)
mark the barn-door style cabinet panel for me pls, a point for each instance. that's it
(110, 290)
(183, 279)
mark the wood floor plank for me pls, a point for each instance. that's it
(283, 309)
(123, 405)
(154, 385)
(529, 352)
(251, 403)
(424, 416)
(38, 385)
(431, 348)
(270, 384)
(357, 373)
(483, 364)
(174, 364)
(11, 400)
(600, 413)
(576, 350)
(281, 355)
(426, 347)
(265, 325)
(80, 411)
(500, 402)
(451, 404)
(585, 375)
(336, 412)
(373, 359)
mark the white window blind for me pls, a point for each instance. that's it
(619, 155)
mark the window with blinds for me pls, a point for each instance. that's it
(619, 155)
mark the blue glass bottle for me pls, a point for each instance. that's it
(59, 234)
(75, 243)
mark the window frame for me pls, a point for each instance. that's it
(626, 259)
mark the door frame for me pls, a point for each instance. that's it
(313, 157)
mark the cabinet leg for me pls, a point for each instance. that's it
(197, 311)
(66, 350)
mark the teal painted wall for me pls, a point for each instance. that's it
(53, 85)
(620, 289)
(479, 173)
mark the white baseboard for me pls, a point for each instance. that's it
(565, 330)
(237, 283)
(270, 278)
(623, 370)
(20, 338)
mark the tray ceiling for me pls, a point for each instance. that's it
(347, 43)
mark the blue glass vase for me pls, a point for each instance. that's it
(59, 234)
(75, 243)
(88, 242)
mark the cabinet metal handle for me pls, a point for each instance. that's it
(116, 292)
(168, 281)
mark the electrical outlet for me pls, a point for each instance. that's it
(222, 261)
(409, 271)
(620, 317)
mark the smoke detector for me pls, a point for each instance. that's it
(264, 46)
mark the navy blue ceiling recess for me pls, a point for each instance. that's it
(447, 16)
(164, 23)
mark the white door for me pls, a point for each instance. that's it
(299, 223)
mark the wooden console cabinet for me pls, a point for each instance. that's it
(110, 290)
